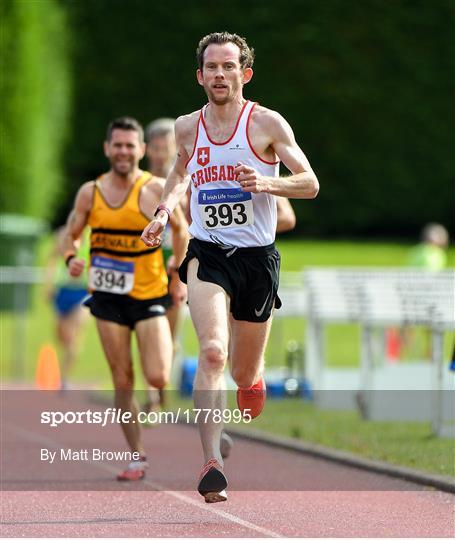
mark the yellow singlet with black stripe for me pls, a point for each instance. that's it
(120, 263)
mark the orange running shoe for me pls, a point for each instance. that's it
(212, 482)
(252, 400)
(134, 471)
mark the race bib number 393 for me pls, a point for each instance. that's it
(222, 208)
(109, 275)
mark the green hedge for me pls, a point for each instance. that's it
(367, 86)
(35, 94)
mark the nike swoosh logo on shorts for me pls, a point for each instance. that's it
(259, 312)
(157, 309)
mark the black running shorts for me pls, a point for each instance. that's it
(250, 276)
(123, 309)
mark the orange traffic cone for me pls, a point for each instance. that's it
(47, 369)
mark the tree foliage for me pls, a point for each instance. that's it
(367, 87)
(35, 99)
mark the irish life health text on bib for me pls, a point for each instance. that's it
(223, 208)
(109, 275)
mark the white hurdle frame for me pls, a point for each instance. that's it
(377, 299)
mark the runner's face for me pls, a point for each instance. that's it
(124, 151)
(161, 152)
(221, 76)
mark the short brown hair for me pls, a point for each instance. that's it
(127, 123)
(159, 128)
(220, 38)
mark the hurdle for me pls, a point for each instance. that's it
(376, 299)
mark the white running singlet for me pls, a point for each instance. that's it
(221, 211)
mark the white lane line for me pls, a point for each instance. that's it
(35, 437)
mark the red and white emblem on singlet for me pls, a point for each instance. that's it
(203, 155)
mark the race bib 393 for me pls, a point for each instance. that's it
(223, 208)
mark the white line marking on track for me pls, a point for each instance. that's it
(178, 495)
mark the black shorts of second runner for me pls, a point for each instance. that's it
(125, 310)
(250, 276)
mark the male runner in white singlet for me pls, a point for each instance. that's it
(231, 150)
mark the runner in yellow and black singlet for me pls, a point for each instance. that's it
(128, 280)
(119, 264)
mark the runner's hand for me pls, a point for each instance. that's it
(151, 234)
(76, 267)
(250, 180)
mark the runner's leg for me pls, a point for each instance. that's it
(156, 397)
(155, 348)
(248, 345)
(116, 342)
(173, 316)
(209, 308)
(248, 342)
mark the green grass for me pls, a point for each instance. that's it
(297, 254)
(409, 444)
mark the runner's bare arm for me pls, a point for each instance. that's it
(285, 215)
(176, 183)
(301, 184)
(149, 197)
(76, 222)
(180, 236)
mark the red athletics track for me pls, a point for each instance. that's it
(323, 499)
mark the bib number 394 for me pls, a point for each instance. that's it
(223, 208)
(109, 275)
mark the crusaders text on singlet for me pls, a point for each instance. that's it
(221, 211)
(120, 263)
